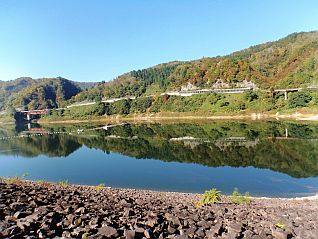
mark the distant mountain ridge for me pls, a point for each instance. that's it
(26, 92)
(289, 62)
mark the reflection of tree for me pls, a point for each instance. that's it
(300, 131)
(50, 145)
(280, 155)
(207, 144)
(297, 157)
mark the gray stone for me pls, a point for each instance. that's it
(19, 215)
(279, 235)
(129, 234)
(148, 233)
(107, 231)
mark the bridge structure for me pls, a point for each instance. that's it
(286, 91)
(34, 132)
(205, 91)
(106, 127)
(29, 113)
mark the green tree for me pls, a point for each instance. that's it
(120, 107)
(299, 99)
(251, 96)
(11, 110)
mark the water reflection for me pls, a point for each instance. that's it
(288, 148)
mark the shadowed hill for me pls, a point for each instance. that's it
(26, 92)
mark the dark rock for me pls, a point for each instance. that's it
(214, 230)
(16, 206)
(66, 234)
(19, 215)
(175, 220)
(200, 233)
(235, 227)
(279, 235)
(9, 231)
(128, 212)
(171, 229)
(139, 229)
(77, 232)
(203, 224)
(80, 210)
(107, 231)
(75, 211)
(10, 218)
(191, 231)
(248, 234)
(181, 237)
(148, 233)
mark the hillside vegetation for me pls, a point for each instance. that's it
(288, 62)
(28, 93)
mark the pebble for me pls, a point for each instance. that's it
(31, 210)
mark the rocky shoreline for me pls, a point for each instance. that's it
(45, 210)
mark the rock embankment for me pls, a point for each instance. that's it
(41, 210)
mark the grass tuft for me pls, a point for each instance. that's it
(211, 196)
(238, 198)
(63, 183)
(280, 225)
(99, 186)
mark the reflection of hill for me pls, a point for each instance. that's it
(214, 144)
(50, 145)
(282, 156)
(297, 158)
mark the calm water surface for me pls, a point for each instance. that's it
(266, 159)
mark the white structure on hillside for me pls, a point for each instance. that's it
(220, 84)
(112, 100)
(246, 83)
(189, 86)
(205, 91)
(82, 103)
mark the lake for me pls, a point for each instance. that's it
(263, 158)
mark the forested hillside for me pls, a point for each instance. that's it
(28, 93)
(8, 88)
(288, 62)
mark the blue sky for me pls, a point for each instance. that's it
(97, 40)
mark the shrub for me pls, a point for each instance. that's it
(213, 98)
(100, 186)
(63, 183)
(141, 104)
(43, 183)
(16, 179)
(121, 107)
(223, 104)
(238, 198)
(97, 109)
(210, 197)
(251, 96)
(13, 180)
(299, 99)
